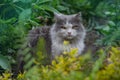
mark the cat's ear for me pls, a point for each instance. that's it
(57, 16)
(78, 16)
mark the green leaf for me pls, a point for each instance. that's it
(15, 1)
(26, 1)
(48, 8)
(111, 23)
(8, 20)
(4, 62)
(106, 28)
(29, 63)
(25, 15)
(43, 1)
(34, 23)
(61, 8)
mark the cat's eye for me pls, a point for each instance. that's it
(74, 26)
(63, 27)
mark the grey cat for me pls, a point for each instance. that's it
(69, 28)
(65, 27)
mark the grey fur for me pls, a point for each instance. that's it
(59, 34)
(54, 35)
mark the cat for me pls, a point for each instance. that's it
(65, 28)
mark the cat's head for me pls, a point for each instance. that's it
(68, 26)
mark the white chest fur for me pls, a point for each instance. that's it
(59, 48)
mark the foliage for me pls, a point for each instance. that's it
(6, 76)
(111, 71)
(10, 29)
(70, 67)
(5, 64)
(110, 31)
(17, 17)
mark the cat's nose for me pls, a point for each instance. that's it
(69, 33)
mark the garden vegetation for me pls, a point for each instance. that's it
(17, 17)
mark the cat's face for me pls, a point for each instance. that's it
(68, 26)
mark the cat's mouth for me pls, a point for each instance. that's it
(69, 37)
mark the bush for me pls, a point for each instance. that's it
(69, 67)
(111, 71)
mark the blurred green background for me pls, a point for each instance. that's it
(17, 17)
